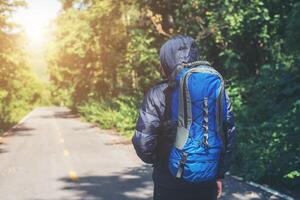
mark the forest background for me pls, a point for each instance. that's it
(104, 57)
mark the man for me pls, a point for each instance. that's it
(152, 139)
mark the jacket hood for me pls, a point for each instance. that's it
(176, 51)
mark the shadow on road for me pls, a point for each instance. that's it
(66, 114)
(2, 150)
(235, 190)
(136, 184)
(21, 128)
(133, 184)
(61, 114)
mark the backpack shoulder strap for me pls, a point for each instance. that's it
(184, 113)
(168, 103)
(220, 114)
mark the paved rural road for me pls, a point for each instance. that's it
(52, 155)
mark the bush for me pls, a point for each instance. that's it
(19, 98)
(119, 113)
(60, 97)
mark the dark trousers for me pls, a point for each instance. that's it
(205, 192)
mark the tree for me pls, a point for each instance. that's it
(19, 89)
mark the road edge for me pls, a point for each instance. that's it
(9, 131)
(264, 188)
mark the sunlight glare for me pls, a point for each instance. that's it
(36, 17)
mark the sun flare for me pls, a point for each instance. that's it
(36, 17)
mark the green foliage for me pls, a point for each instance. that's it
(293, 34)
(120, 114)
(268, 127)
(140, 54)
(98, 62)
(89, 45)
(20, 90)
(60, 96)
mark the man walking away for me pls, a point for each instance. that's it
(186, 128)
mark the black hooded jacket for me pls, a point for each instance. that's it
(176, 51)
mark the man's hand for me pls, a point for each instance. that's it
(219, 188)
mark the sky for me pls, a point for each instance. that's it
(36, 17)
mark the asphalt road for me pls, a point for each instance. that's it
(53, 155)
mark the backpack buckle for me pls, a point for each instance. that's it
(205, 142)
(181, 165)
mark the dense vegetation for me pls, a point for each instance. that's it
(20, 90)
(105, 56)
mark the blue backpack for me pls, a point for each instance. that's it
(198, 106)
